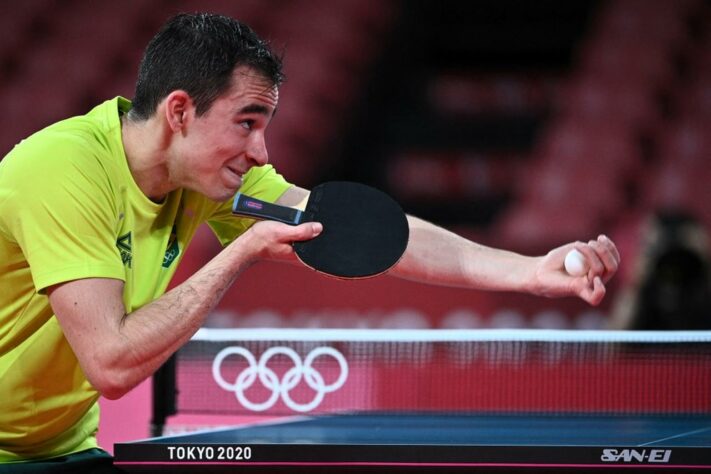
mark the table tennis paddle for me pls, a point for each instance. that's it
(365, 231)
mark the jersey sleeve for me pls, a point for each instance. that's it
(61, 211)
(261, 182)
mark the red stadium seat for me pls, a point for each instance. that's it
(632, 61)
(674, 185)
(686, 142)
(534, 229)
(570, 143)
(455, 93)
(621, 103)
(651, 21)
(694, 100)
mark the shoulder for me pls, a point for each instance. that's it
(59, 174)
(264, 182)
(71, 149)
(84, 140)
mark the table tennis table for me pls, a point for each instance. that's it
(462, 442)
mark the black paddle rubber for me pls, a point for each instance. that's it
(365, 231)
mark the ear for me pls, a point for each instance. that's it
(178, 106)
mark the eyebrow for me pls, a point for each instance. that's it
(256, 109)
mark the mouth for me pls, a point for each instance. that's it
(235, 170)
(233, 176)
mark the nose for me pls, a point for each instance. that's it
(257, 149)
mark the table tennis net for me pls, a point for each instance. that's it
(287, 372)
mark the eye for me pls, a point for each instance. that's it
(247, 124)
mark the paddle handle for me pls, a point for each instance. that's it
(250, 207)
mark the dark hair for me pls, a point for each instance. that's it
(197, 53)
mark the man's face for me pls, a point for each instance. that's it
(221, 145)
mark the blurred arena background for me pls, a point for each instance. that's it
(519, 124)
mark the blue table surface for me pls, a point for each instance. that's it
(467, 429)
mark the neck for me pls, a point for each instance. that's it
(147, 154)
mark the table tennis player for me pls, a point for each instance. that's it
(97, 210)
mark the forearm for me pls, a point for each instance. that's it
(155, 331)
(118, 350)
(437, 256)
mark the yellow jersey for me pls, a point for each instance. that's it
(70, 209)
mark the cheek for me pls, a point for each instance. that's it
(219, 140)
(198, 161)
(211, 147)
(205, 152)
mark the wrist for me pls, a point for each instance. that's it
(531, 282)
(246, 248)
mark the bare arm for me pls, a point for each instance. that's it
(118, 350)
(437, 256)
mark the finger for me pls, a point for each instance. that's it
(609, 255)
(611, 245)
(594, 293)
(595, 265)
(306, 231)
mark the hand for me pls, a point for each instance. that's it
(270, 240)
(603, 260)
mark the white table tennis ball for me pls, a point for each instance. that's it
(575, 263)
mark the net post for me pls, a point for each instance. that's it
(164, 395)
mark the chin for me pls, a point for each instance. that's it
(222, 193)
(217, 195)
(223, 197)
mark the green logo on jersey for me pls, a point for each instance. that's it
(123, 243)
(172, 250)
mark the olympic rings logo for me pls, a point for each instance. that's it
(280, 387)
